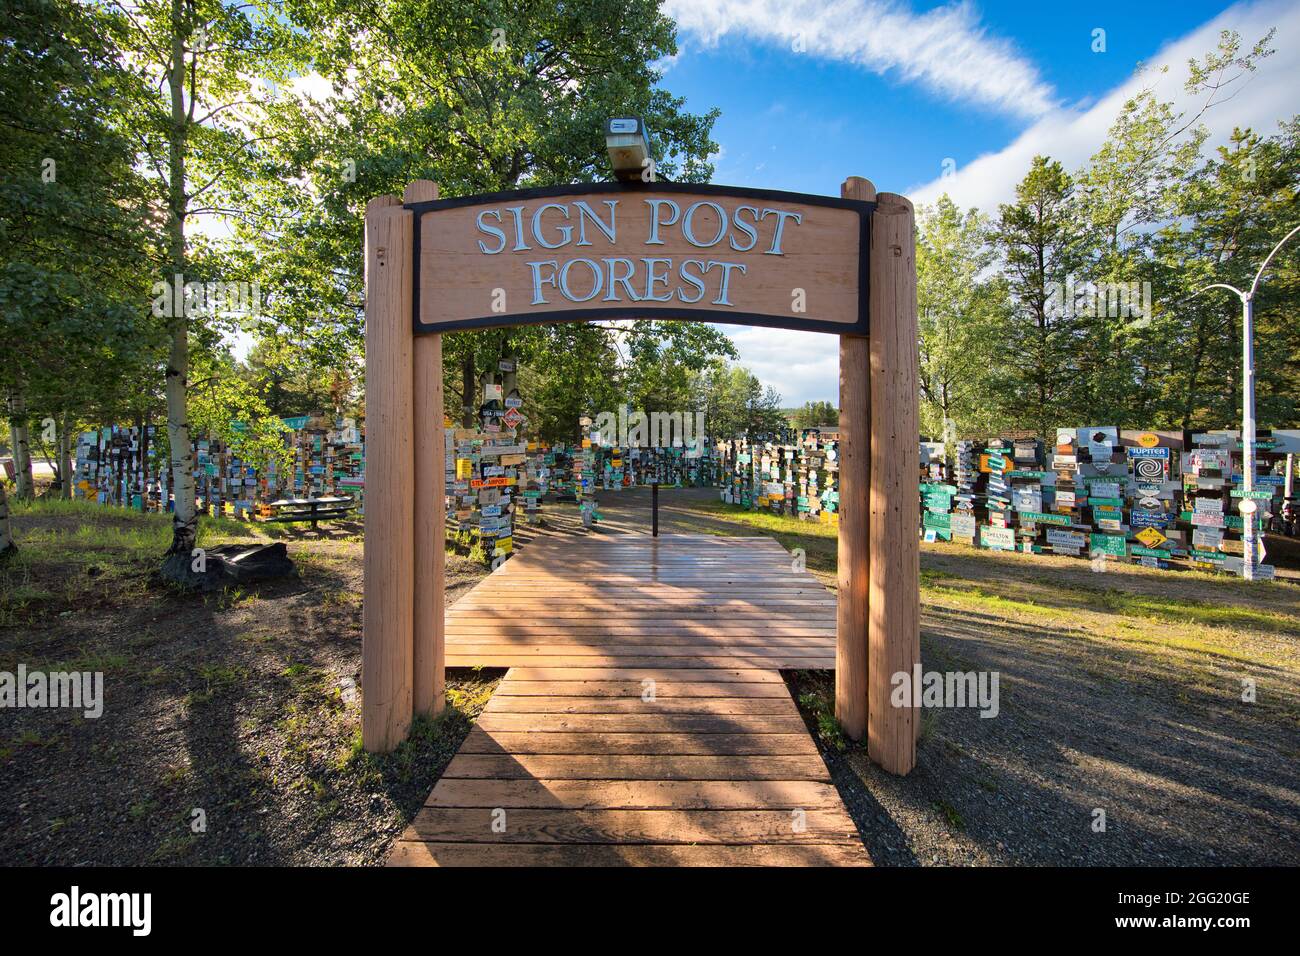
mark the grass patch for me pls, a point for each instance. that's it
(818, 540)
(762, 520)
(78, 555)
(216, 679)
(950, 814)
(432, 742)
(814, 692)
(976, 596)
(1186, 625)
(1235, 616)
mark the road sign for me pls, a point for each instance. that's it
(512, 417)
(1151, 537)
(1108, 544)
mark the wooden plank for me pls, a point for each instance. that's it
(746, 643)
(684, 656)
(637, 689)
(853, 564)
(636, 794)
(606, 854)
(894, 634)
(633, 630)
(510, 659)
(641, 723)
(387, 608)
(428, 664)
(623, 705)
(716, 674)
(480, 741)
(680, 655)
(534, 614)
(640, 767)
(715, 769)
(481, 825)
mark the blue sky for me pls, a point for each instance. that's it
(892, 90)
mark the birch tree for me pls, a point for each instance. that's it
(7, 546)
(212, 69)
(958, 310)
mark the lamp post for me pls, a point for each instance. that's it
(1248, 507)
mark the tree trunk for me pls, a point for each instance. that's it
(143, 420)
(468, 405)
(18, 436)
(7, 546)
(65, 458)
(184, 517)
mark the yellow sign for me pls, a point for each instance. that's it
(1151, 537)
(464, 468)
(1148, 439)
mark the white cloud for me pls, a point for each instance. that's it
(1073, 135)
(802, 366)
(945, 50)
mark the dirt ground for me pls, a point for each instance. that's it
(1119, 692)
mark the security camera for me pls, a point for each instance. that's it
(628, 147)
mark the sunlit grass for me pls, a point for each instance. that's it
(75, 554)
(761, 520)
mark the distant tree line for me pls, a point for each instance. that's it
(1074, 304)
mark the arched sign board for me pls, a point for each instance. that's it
(643, 250)
(624, 251)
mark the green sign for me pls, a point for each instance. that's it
(1258, 495)
(1042, 517)
(1108, 544)
(937, 521)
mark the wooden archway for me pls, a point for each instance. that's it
(417, 273)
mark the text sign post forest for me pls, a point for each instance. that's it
(705, 253)
(634, 250)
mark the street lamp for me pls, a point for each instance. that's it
(628, 146)
(1248, 506)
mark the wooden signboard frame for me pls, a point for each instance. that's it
(830, 239)
(878, 632)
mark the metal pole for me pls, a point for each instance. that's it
(654, 508)
(1248, 433)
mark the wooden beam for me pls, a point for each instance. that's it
(429, 658)
(851, 660)
(386, 650)
(894, 601)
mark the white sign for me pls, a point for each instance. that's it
(1066, 539)
(998, 538)
(962, 525)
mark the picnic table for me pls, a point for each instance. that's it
(328, 508)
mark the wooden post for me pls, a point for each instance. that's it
(851, 659)
(895, 602)
(386, 650)
(429, 654)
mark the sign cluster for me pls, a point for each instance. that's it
(1106, 493)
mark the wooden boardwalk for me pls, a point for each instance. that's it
(643, 719)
